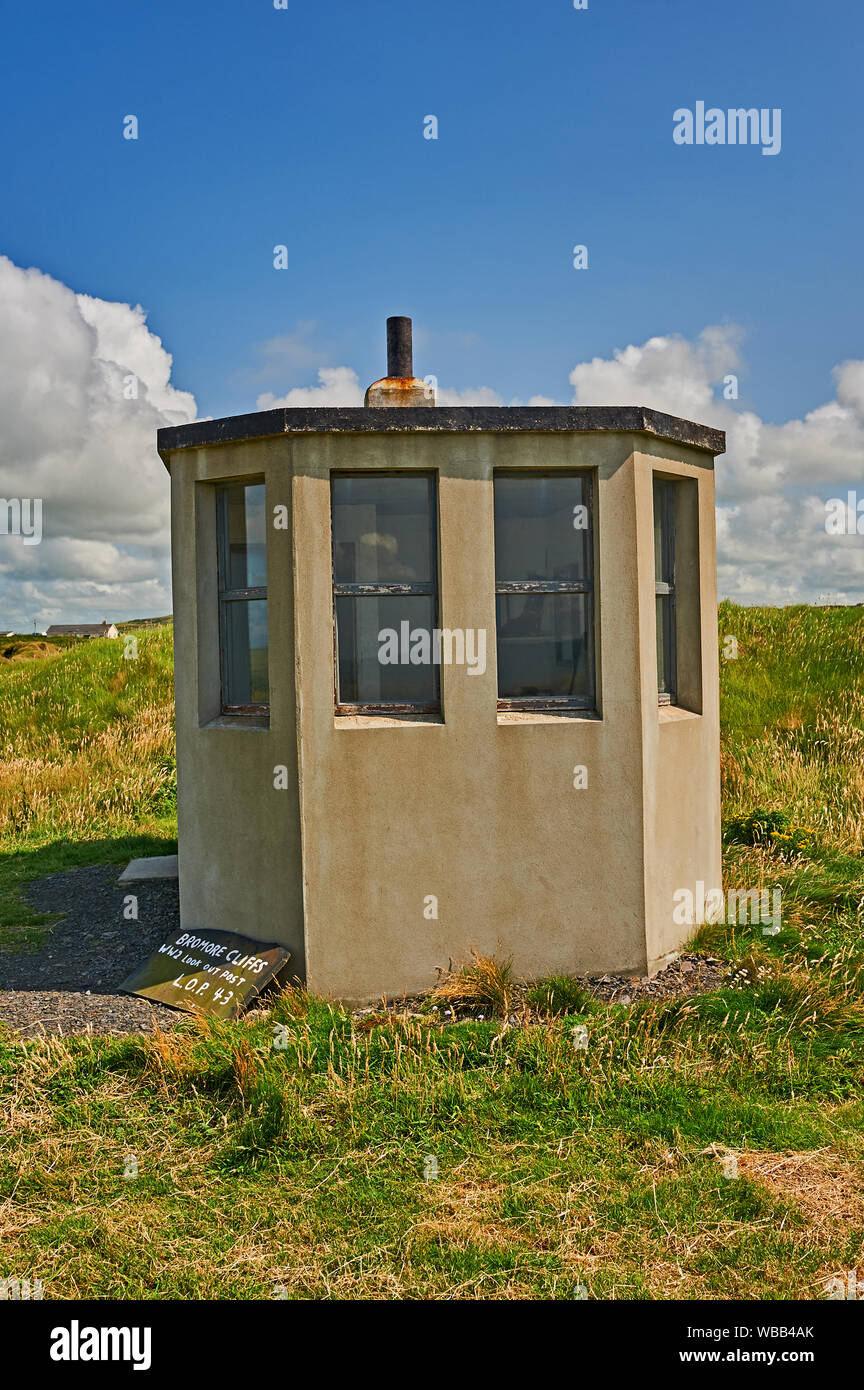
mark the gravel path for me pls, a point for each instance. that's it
(70, 984)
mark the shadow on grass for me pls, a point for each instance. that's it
(22, 929)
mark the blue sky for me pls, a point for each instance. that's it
(304, 127)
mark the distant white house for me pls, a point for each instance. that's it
(82, 630)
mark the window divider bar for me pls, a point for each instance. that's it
(243, 595)
(382, 707)
(346, 590)
(540, 703)
(543, 586)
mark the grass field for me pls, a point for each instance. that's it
(86, 764)
(707, 1148)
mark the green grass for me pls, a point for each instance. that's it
(291, 1153)
(303, 1166)
(86, 765)
(792, 712)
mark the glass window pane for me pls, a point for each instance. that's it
(543, 645)
(383, 529)
(665, 672)
(244, 652)
(244, 531)
(375, 640)
(541, 528)
(663, 552)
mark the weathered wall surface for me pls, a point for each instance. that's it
(681, 748)
(479, 811)
(239, 838)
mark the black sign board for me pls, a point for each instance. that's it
(208, 972)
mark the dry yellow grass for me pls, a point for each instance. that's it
(87, 742)
(481, 982)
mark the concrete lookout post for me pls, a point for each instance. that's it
(445, 677)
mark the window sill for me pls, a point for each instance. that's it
(238, 721)
(525, 716)
(673, 714)
(388, 721)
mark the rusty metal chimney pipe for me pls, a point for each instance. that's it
(400, 387)
(400, 356)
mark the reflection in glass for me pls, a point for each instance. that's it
(245, 655)
(543, 645)
(244, 529)
(383, 529)
(663, 531)
(241, 529)
(544, 581)
(366, 678)
(664, 644)
(535, 534)
(664, 586)
(385, 582)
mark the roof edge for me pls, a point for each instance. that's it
(500, 419)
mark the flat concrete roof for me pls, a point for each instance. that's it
(497, 419)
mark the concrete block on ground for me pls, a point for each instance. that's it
(140, 870)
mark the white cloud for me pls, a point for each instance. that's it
(773, 481)
(339, 386)
(472, 395)
(69, 436)
(669, 374)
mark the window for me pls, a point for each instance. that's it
(242, 569)
(664, 588)
(544, 600)
(385, 589)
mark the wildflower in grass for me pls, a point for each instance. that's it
(773, 829)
